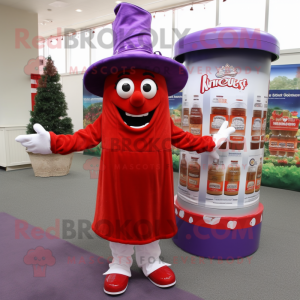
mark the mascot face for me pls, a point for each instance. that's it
(136, 95)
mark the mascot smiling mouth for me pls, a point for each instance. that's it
(136, 121)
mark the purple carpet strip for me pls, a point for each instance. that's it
(51, 269)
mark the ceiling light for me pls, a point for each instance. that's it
(118, 2)
(78, 10)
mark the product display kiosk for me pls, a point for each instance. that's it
(217, 207)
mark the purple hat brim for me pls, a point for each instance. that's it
(175, 73)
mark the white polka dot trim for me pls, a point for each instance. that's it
(211, 220)
(231, 224)
(253, 222)
(219, 222)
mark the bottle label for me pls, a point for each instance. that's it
(255, 138)
(216, 121)
(258, 182)
(239, 124)
(196, 130)
(193, 175)
(185, 121)
(282, 145)
(250, 185)
(231, 186)
(236, 138)
(183, 179)
(273, 144)
(214, 186)
(290, 145)
(193, 183)
(256, 124)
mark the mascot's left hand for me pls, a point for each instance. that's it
(39, 143)
(221, 137)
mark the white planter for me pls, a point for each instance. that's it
(50, 164)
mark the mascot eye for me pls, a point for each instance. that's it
(148, 88)
(125, 88)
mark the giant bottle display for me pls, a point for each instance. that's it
(229, 70)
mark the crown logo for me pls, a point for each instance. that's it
(252, 162)
(226, 71)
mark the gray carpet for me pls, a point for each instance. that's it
(271, 273)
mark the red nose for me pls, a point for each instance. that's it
(137, 99)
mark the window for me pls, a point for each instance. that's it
(79, 51)
(202, 16)
(243, 13)
(162, 32)
(283, 22)
(56, 49)
(102, 43)
(41, 50)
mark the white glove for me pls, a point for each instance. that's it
(221, 137)
(36, 143)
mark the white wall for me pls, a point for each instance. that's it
(72, 87)
(15, 89)
(287, 58)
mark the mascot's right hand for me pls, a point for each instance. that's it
(221, 137)
(38, 143)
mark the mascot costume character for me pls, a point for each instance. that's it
(135, 197)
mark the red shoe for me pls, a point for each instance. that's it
(163, 277)
(115, 284)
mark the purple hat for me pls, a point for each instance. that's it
(133, 50)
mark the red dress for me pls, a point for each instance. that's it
(135, 197)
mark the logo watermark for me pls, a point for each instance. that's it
(39, 258)
(141, 228)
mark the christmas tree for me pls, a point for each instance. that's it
(50, 108)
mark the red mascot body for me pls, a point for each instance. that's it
(135, 192)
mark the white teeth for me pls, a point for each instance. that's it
(130, 115)
(139, 126)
